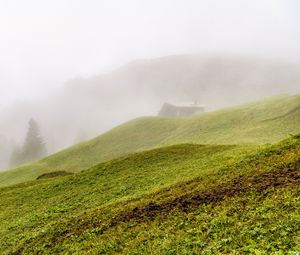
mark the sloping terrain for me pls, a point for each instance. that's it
(84, 107)
(261, 122)
(181, 199)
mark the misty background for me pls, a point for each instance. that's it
(80, 67)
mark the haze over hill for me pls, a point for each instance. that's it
(149, 127)
(260, 122)
(84, 108)
(219, 53)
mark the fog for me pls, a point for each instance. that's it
(80, 67)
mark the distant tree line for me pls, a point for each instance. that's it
(33, 148)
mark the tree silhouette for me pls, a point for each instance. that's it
(33, 147)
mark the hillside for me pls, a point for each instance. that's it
(182, 199)
(139, 89)
(261, 122)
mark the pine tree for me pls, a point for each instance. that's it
(34, 146)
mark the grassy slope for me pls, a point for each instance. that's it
(182, 199)
(280, 116)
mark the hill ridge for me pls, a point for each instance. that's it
(249, 177)
(236, 125)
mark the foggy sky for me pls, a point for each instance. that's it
(45, 43)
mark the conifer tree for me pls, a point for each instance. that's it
(33, 147)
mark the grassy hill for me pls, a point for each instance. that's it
(261, 122)
(181, 199)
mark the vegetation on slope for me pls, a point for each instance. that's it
(182, 199)
(265, 121)
(46, 201)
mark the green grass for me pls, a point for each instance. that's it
(217, 183)
(181, 199)
(266, 121)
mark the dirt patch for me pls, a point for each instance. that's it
(186, 203)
